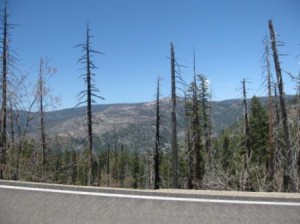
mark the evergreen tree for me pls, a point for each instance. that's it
(135, 170)
(258, 123)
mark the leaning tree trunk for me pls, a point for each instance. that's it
(290, 165)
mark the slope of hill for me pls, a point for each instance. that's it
(108, 117)
(122, 118)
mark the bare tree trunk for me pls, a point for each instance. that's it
(188, 145)
(196, 135)
(246, 184)
(89, 111)
(42, 118)
(157, 141)
(3, 117)
(12, 144)
(278, 154)
(290, 165)
(270, 116)
(108, 166)
(90, 93)
(174, 122)
(16, 173)
(298, 124)
(12, 125)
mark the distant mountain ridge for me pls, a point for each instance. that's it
(114, 117)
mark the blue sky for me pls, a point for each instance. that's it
(135, 37)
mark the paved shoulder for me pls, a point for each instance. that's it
(45, 203)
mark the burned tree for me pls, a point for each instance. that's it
(157, 141)
(196, 136)
(173, 121)
(188, 141)
(43, 99)
(290, 170)
(3, 114)
(246, 184)
(40, 95)
(270, 113)
(90, 93)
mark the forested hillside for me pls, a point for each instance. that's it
(185, 141)
(124, 139)
(65, 122)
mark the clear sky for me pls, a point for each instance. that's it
(135, 37)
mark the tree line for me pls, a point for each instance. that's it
(258, 153)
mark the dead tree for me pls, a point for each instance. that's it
(196, 133)
(278, 160)
(108, 166)
(3, 115)
(298, 123)
(22, 133)
(270, 113)
(91, 92)
(246, 184)
(43, 99)
(40, 94)
(157, 140)
(290, 165)
(174, 121)
(188, 142)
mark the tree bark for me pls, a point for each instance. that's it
(89, 110)
(270, 116)
(290, 165)
(3, 117)
(157, 141)
(246, 184)
(42, 117)
(174, 122)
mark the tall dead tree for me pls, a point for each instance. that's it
(270, 113)
(157, 140)
(174, 121)
(246, 184)
(290, 165)
(298, 122)
(196, 134)
(40, 95)
(279, 159)
(90, 93)
(188, 140)
(3, 115)
(43, 100)
(246, 120)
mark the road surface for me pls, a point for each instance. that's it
(29, 203)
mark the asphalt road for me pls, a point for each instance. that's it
(28, 203)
